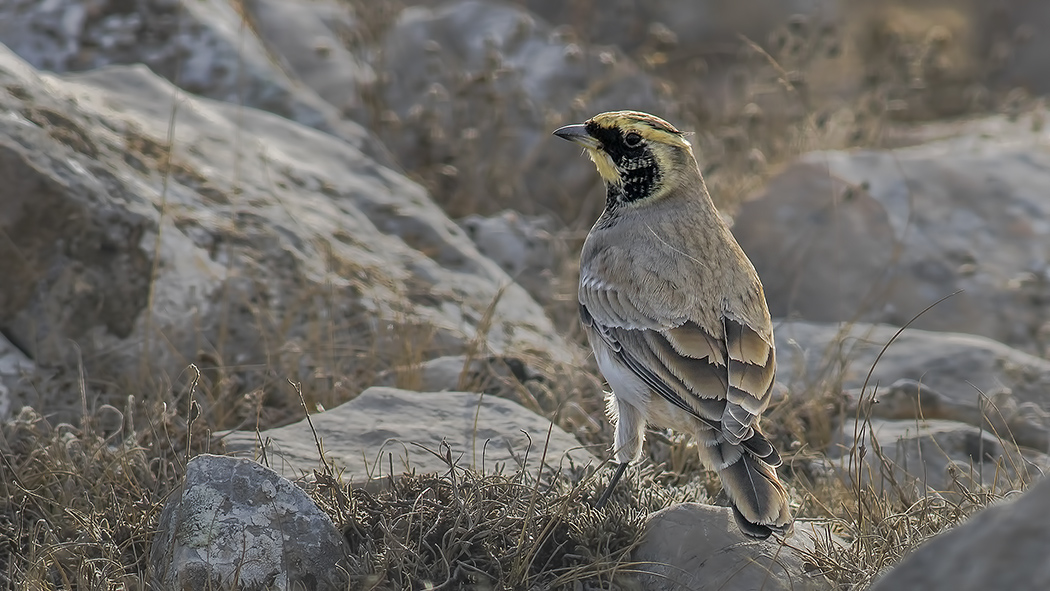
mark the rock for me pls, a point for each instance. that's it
(1022, 43)
(920, 457)
(693, 26)
(237, 524)
(880, 235)
(14, 365)
(959, 367)
(537, 387)
(918, 60)
(387, 429)
(257, 233)
(302, 36)
(692, 546)
(1025, 424)
(521, 245)
(492, 375)
(204, 47)
(950, 407)
(1002, 547)
(487, 82)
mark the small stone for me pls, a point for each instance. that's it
(237, 524)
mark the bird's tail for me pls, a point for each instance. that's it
(749, 477)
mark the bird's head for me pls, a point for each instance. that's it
(639, 156)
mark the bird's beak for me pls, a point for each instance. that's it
(578, 134)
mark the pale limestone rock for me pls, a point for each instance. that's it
(387, 428)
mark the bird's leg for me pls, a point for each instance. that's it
(612, 484)
(630, 432)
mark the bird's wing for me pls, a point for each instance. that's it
(752, 369)
(707, 362)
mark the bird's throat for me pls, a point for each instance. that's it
(608, 170)
(635, 185)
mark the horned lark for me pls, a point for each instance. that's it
(676, 315)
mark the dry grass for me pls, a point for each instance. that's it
(79, 504)
(494, 531)
(79, 500)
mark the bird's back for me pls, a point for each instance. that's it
(679, 253)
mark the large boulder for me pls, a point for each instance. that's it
(939, 412)
(207, 48)
(416, 432)
(880, 235)
(1003, 547)
(251, 237)
(958, 367)
(477, 82)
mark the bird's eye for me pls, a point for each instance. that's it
(633, 140)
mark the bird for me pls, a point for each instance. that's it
(676, 315)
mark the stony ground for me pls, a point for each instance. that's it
(219, 217)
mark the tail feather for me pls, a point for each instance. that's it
(762, 449)
(759, 499)
(750, 481)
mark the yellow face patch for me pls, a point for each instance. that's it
(608, 169)
(651, 128)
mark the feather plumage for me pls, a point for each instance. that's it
(676, 314)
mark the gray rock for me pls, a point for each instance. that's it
(521, 245)
(921, 457)
(1003, 547)
(951, 407)
(476, 82)
(960, 367)
(1018, 43)
(692, 546)
(205, 47)
(237, 524)
(693, 26)
(259, 217)
(1025, 424)
(301, 36)
(492, 375)
(14, 366)
(537, 387)
(387, 428)
(881, 235)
